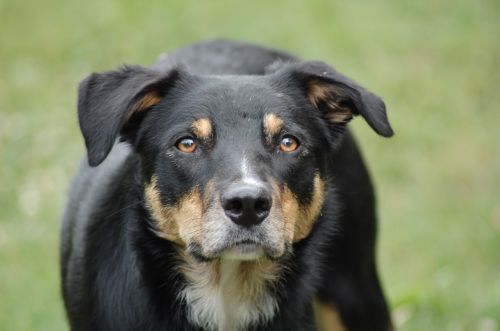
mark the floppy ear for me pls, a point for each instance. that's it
(107, 102)
(338, 97)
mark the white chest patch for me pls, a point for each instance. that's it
(229, 295)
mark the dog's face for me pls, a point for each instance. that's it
(238, 166)
(233, 166)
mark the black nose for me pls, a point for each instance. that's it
(247, 205)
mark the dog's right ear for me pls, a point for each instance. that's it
(108, 100)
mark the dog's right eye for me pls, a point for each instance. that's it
(186, 145)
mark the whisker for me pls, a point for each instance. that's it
(122, 209)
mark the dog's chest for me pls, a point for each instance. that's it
(229, 295)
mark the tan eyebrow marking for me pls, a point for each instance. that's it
(202, 128)
(272, 124)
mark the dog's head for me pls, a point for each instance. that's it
(233, 166)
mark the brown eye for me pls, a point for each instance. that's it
(289, 144)
(186, 145)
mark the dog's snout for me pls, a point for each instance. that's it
(247, 205)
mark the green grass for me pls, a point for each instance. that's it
(437, 65)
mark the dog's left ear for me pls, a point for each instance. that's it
(338, 97)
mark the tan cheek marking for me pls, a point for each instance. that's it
(180, 223)
(272, 125)
(327, 317)
(300, 219)
(311, 212)
(290, 207)
(208, 193)
(320, 93)
(202, 128)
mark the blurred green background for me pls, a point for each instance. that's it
(437, 65)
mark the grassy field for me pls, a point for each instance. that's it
(437, 65)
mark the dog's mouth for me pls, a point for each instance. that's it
(244, 250)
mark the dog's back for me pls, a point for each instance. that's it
(223, 57)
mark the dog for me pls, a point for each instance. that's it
(222, 191)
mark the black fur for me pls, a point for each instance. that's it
(117, 274)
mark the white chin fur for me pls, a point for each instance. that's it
(243, 252)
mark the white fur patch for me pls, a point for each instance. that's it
(246, 174)
(229, 295)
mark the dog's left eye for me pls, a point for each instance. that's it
(186, 145)
(289, 144)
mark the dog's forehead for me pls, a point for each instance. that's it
(232, 97)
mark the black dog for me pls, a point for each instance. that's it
(236, 199)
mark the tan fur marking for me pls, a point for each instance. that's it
(272, 124)
(228, 294)
(179, 223)
(282, 221)
(202, 128)
(339, 115)
(291, 211)
(147, 101)
(320, 93)
(254, 275)
(327, 317)
(317, 93)
(299, 219)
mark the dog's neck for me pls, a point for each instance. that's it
(229, 294)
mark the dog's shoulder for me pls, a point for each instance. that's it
(91, 192)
